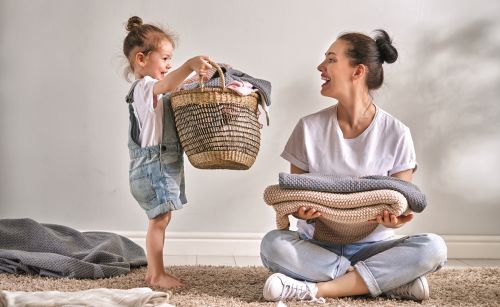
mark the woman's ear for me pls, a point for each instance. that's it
(359, 71)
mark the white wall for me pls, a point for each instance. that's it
(63, 120)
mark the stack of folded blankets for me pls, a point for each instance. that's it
(347, 204)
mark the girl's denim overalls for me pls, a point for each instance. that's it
(156, 172)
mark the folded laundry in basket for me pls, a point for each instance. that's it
(230, 74)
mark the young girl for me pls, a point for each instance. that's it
(156, 167)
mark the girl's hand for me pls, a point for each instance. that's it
(306, 213)
(175, 78)
(199, 64)
(392, 221)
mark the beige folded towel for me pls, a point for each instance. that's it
(135, 297)
(344, 217)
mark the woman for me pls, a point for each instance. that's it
(352, 138)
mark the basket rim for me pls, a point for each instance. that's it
(211, 89)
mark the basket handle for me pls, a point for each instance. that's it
(222, 82)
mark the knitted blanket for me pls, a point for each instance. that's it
(333, 184)
(344, 217)
(59, 251)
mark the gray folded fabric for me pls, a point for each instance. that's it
(334, 184)
(27, 246)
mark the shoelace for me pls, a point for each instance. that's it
(296, 291)
(403, 291)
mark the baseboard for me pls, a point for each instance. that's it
(204, 243)
(470, 247)
(247, 244)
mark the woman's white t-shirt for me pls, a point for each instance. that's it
(317, 145)
(150, 119)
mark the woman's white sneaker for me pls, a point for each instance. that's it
(279, 287)
(417, 290)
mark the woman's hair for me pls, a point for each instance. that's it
(371, 52)
(143, 38)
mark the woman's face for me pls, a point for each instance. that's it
(336, 71)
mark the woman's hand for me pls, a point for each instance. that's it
(392, 221)
(306, 213)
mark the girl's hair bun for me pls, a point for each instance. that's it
(134, 22)
(387, 52)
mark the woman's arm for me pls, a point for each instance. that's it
(404, 175)
(296, 170)
(390, 220)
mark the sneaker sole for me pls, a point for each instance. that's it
(266, 288)
(425, 286)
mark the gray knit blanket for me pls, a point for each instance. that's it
(334, 184)
(27, 246)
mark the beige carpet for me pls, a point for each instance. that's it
(232, 286)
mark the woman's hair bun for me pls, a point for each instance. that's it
(387, 52)
(134, 22)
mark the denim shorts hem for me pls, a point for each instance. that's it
(168, 206)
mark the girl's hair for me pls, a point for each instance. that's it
(143, 38)
(371, 52)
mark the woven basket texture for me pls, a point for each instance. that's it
(217, 128)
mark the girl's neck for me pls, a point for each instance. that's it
(138, 76)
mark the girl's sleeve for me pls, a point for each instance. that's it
(145, 95)
(295, 150)
(405, 157)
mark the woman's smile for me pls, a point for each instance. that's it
(326, 79)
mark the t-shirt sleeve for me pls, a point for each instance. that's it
(405, 157)
(295, 149)
(143, 95)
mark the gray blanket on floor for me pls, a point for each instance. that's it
(27, 246)
(334, 184)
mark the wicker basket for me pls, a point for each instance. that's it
(218, 128)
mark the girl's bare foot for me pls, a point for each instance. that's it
(163, 280)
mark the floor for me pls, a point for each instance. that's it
(255, 261)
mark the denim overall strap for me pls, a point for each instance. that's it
(134, 131)
(135, 150)
(170, 139)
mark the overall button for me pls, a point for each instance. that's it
(163, 148)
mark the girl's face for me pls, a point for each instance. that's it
(158, 62)
(336, 71)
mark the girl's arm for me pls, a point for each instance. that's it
(199, 64)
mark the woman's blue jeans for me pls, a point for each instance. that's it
(383, 265)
